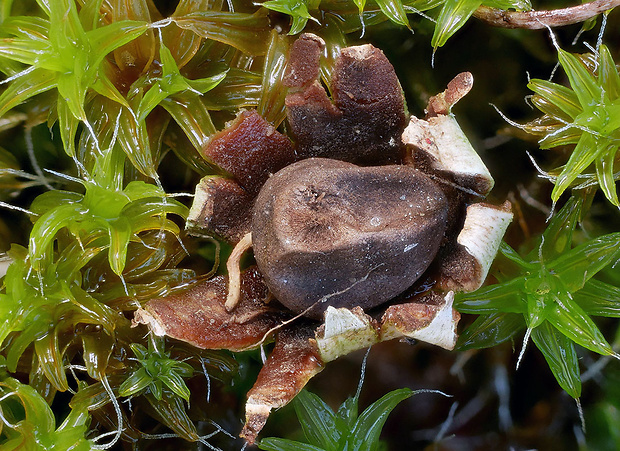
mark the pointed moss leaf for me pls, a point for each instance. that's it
(137, 190)
(37, 412)
(51, 360)
(562, 97)
(52, 199)
(156, 389)
(46, 227)
(104, 86)
(347, 413)
(68, 124)
(576, 267)
(139, 351)
(360, 5)
(395, 11)
(581, 80)
(561, 357)
(297, 9)
(557, 138)
(599, 299)
(135, 383)
(550, 109)
(453, 16)
(171, 411)
(365, 435)
(29, 334)
(608, 76)
(95, 312)
(120, 234)
(272, 95)
(104, 40)
(23, 88)
(605, 174)
(583, 155)
(151, 99)
(517, 5)
(557, 237)
(65, 26)
(30, 27)
(572, 321)
(246, 32)
(514, 256)
(490, 330)
(134, 141)
(26, 51)
(195, 121)
(175, 382)
(97, 349)
(317, 420)
(504, 297)
(280, 444)
(202, 85)
(154, 206)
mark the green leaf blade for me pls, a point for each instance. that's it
(561, 357)
(317, 420)
(452, 17)
(365, 434)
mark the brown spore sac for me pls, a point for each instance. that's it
(250, 149)
(327, 232)
(367, 118)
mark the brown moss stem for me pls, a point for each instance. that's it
(535, 20)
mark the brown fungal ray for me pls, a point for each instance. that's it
(222, 208)
(293, 362)
(327, 232)
(250, 149)
(198, 316)
(303, 67)
(428, 317)
(367, 118)
(457, 88)
(463, 263)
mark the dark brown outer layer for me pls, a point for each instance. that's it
(198, 316)
(226, 211)
(250, 149)
(365, 122)
(367, 234)
(302, 67)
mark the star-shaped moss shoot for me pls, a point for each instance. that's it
(552, 294)
(64, 51)
(587, 115)
(156, 371)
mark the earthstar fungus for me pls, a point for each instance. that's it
(362, 228)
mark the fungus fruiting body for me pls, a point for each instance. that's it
(362, 226)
